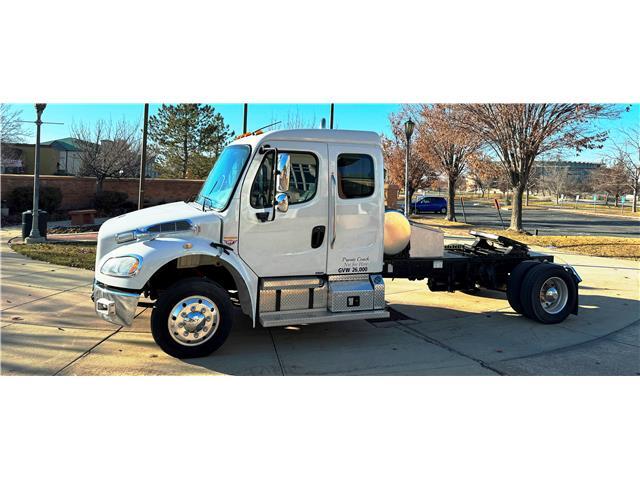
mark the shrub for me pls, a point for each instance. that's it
(110, 203)
(21, 199)
(129, 206)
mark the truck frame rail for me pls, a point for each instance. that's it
(486, 263)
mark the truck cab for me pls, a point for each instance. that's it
(288, 226)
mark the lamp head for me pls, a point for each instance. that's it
(409, 125)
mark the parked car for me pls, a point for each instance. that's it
(430, 205)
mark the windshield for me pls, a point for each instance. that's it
(222, 179)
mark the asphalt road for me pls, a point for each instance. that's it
(550, 222)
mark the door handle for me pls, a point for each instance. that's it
(317, 236)
(334, 192)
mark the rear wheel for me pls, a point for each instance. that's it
(192, 318)
(549, 293)
(514, 283)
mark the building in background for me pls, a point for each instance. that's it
(69, 161)
(57, 157)
(578, 172)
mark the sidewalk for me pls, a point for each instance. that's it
(48, 327)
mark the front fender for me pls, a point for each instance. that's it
(162, 250)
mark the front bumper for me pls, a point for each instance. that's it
(115, 306)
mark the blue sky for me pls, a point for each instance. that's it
(363, 116)
(348, 116)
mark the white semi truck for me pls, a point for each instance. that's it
(289, 227)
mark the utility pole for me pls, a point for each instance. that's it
(34, 236)
(331, 117)
(143, 158)
(244, 120)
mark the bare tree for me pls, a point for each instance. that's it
(421, 174)
(11, 129)
(628, 154)
(554, 177)
(484, 172)
(611, 178)
(107, 149)
(441, 140)
(520, 133)
(294, 120)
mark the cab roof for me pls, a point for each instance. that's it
(313, 135)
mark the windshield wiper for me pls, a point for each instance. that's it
(204, 197)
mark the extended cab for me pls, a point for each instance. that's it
(288, 226)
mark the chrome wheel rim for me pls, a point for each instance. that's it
(193, 320)
(554, 295)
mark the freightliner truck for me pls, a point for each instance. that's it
(289, 228)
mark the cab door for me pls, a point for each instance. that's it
(356, 209)
(294, 243)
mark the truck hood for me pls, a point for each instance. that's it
(208, 222)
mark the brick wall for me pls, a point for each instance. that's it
(78, 192)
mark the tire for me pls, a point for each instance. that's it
(559, 300)
(192, 299)
(514, 283)
(443, 211)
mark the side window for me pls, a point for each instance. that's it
(262, 185)
(355, 175)
(303, 181)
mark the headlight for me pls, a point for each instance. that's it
(126, 266)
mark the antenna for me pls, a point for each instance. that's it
(43, 123)
(266, 126)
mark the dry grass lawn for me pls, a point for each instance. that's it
(68, 254)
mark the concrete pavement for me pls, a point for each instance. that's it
(48, 328)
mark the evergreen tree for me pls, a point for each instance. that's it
(189, 137)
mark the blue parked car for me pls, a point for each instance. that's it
(430, 205)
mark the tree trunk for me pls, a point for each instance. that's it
(527, 200)
(634, 205)
(410, 194)
(185, 164)
(516, 209)
(451, 197)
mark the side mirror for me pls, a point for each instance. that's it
(283, 171)
(282, 202)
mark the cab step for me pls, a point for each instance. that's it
(303, 317)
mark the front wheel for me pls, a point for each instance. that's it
(192, 318)
(443, 211)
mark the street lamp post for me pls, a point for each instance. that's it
(34, 236)
(408, 131)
